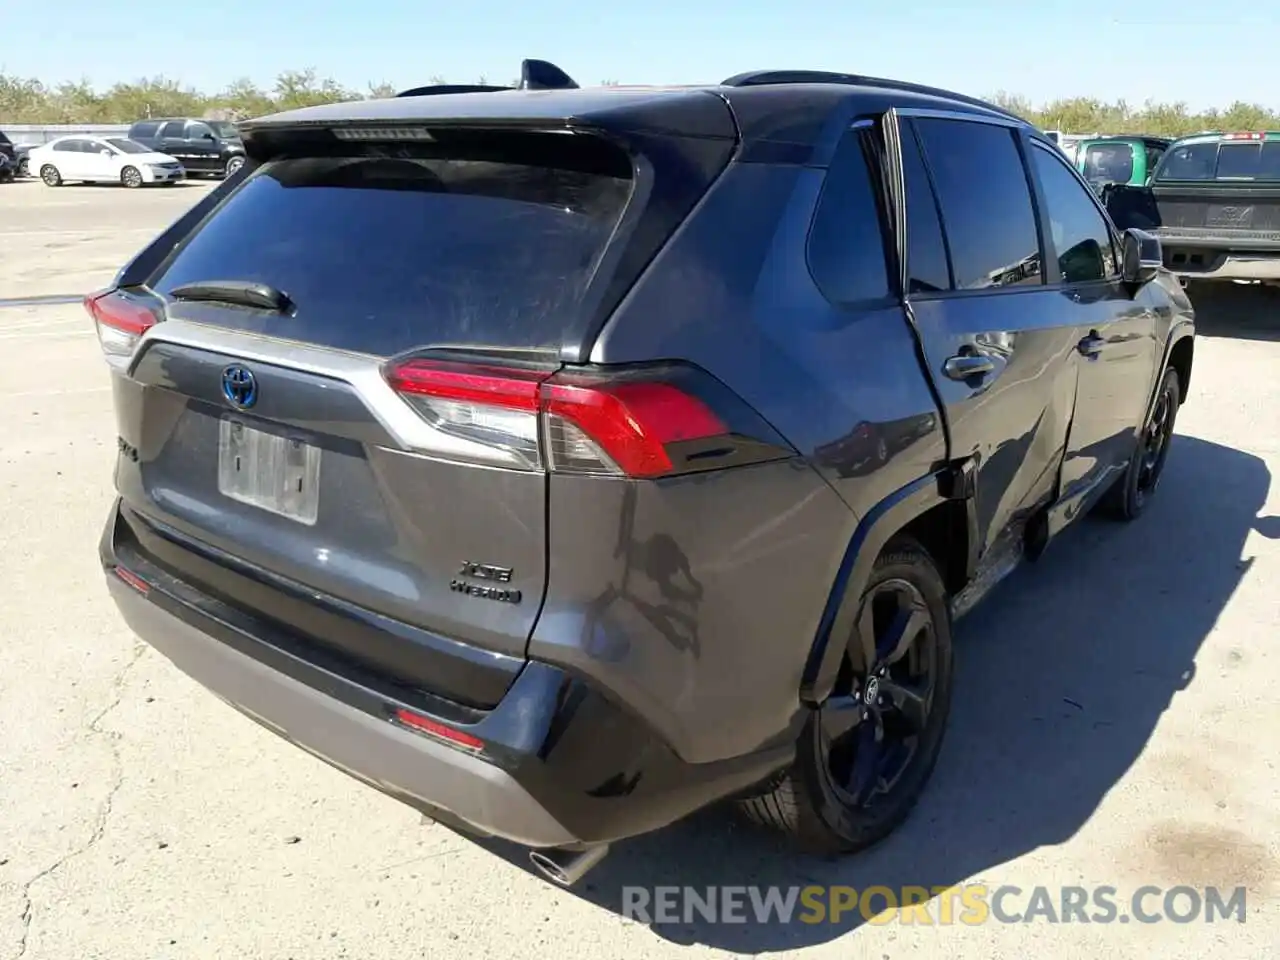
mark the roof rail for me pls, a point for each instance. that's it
(758, 78)
(534, 75)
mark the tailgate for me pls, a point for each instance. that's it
(1219, 211)
(273, 434)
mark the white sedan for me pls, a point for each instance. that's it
(102, 160)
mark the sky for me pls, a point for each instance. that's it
(1041, 49)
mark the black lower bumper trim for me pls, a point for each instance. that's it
(589, 763)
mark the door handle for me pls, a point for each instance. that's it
(966, 365)
(1091, 345)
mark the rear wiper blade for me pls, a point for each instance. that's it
(241, 293)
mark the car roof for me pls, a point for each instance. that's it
(1224, 135)
(777, 105)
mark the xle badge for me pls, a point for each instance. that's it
(484, 571)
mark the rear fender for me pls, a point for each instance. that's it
(877, 528)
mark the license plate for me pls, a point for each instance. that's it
(1229, 216)
(274, 473)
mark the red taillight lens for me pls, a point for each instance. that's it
(417, 721)
(623, 427)
(481, 414)
(120, 323)
(464, 383)
(567, 422)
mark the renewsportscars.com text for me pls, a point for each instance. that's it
(967, 904)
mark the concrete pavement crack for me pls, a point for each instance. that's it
(104, 811)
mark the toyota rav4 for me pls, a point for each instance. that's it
(561, 461)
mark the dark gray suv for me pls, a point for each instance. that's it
(561, 461)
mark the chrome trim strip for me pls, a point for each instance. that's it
(361, 372)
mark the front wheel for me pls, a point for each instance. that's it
(233, 166)
(865, 755)
(131, 177)
(1128, 499)
(50, 175)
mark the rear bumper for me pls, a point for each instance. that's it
(563, 764)
(372, 749)
(1207, 258)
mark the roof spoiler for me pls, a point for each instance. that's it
(534, 75)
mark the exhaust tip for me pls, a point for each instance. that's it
(567, 867)
(548, 868)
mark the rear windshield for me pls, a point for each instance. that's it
(388, 251)
(1222, 160)
(1108, 162)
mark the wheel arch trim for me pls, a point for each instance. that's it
(873, 532)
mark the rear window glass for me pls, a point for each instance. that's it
(389, 252)
(1108, 162)
(1214, 160)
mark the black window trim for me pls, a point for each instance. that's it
(1019, 133)
(904, 126)
(1047, 242)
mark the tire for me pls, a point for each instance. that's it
(24, 167)
(1129, 496)
(50, 175)
(131, 177)
(821, 803)
(234, 164)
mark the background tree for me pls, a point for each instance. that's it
(30, 100)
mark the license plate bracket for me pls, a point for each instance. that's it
(273, 472)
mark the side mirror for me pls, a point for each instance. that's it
(1141, 256)
(210, 136)
(105, 152)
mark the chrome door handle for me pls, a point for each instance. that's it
(1091, 345)
(966, 365)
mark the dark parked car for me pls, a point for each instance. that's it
(1214, 203)
(208, 147)
(8, 158)
(511, 451)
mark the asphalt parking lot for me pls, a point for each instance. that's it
(1116, 718)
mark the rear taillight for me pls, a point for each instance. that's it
(121, 321)
(639, 423)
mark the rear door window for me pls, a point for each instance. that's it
(1081, 237)
(146, 129)
(387, 249)
(173, 130)
(986, 202)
